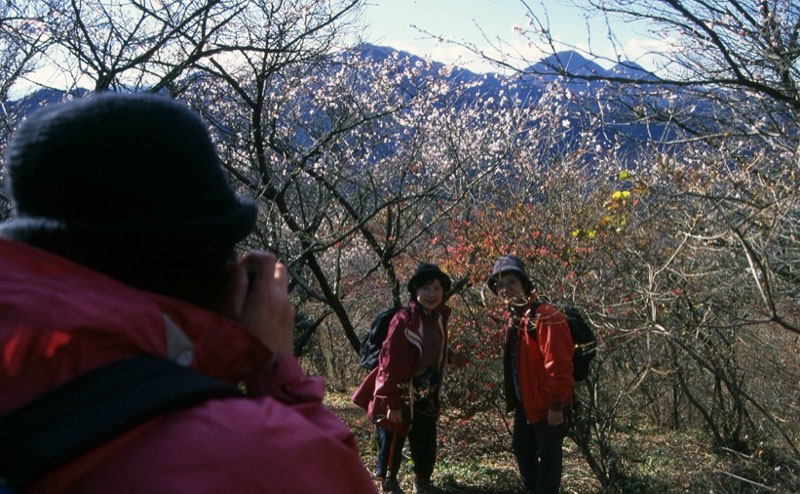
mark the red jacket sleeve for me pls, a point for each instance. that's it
(395, 363)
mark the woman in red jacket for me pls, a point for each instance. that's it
(538, 375)
(402, 393)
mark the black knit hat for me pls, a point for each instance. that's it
(128, 175)
(509, 264)
(424, 273)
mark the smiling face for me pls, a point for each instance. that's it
(509, 287)
(430, 294)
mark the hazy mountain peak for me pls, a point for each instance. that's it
(631, 70)
(568, 61)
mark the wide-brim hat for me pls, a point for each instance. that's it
(426, 272)
(509, 264)
(128, 175)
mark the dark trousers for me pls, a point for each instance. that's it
(538, 450)
(421, 441)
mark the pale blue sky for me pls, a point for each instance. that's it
(389, 23)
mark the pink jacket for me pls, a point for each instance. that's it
(59, 320)
(387, 385)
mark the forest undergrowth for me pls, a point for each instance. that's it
(657, 462)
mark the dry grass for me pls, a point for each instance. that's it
(463, 466)
(474, 458)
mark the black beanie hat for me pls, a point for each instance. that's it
(509, 264)
(424, 273)
(131, 176)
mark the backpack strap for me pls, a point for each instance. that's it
(530, 314)
(93, 408)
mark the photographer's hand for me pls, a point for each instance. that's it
(263, 305)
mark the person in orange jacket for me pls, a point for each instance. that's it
(538, 375)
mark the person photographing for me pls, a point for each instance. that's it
(122, 244)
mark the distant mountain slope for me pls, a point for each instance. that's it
(567, 61)
(525, 88)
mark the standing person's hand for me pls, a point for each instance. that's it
(555, 417)
(394, 415)
(259, 299)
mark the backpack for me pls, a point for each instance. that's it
(373, 338)
(71, 420)
(584, 339)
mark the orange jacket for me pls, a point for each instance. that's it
(543, 347)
